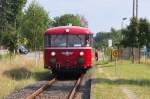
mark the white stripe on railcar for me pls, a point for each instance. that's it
(68, 48)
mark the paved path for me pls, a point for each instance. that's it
(33, 55)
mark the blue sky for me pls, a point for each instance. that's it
(101, 14)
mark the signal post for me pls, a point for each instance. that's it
(115, 55)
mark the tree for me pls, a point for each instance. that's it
(116, 36)
(144, 32)
(56, 21)
(35, 23)
(9, 12)
(65, 19)
(101, 38)
(83, 20)
(137, 34)
(10, 40)
(131, 36)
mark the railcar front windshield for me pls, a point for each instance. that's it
(76, 40)
(67, 40)
(58, 40)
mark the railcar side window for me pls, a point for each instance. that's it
(46, 41)
(88, 40)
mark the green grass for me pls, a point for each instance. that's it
(19, 72)
(106, 91)
(134, 77)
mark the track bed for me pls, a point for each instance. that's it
(60, 89)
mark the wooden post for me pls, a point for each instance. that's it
(116, 68)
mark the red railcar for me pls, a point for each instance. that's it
(68, 48)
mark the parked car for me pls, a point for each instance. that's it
(22, 50)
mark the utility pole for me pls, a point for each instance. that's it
(139, 46)
(135, 15)
(133, 8)
(137, 9)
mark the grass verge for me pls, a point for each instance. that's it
(133, 77)
(19, 72)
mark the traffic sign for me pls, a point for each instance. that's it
(115, 53)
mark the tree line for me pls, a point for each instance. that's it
(135, 35)
(20, 25)
(101, 39)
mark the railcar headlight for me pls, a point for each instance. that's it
(53, 53)
(81, 53)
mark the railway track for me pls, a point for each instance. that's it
(75, 88)
(41, 89)
(57, 88)
(71, 94)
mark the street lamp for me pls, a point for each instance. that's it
(0, 4)
(122, 23)
(123, 19)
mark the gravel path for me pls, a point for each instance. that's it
(59, 90)
(129, 93)
(23, 93)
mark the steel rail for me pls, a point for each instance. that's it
(75, 88)
(41, 89)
